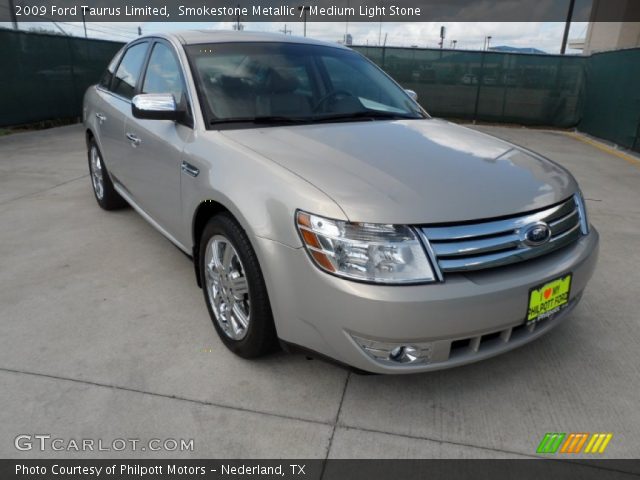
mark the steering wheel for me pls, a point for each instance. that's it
(330, 95)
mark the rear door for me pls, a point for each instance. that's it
(155, 153)
(105, 127)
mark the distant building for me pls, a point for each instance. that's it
(508, 49)
(603, 35)
(348, 39)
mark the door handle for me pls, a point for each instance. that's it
(189, 169)
(101, 117)
(134, 139)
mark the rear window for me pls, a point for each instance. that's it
(105, 81)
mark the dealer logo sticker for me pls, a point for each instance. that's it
(594, 443)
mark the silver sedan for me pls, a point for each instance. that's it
(325, 210)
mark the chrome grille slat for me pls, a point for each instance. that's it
(564, 223)
(474, 247)
(490, 244)
(486, 229)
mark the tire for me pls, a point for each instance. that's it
(105, 194)
(236, 282)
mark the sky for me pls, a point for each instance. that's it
(546, 36)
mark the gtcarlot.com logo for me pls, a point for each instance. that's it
(44, 443)
(574, 443)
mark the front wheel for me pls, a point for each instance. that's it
(234, 289)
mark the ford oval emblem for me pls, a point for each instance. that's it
(536, 234)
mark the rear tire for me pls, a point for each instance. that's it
(234, 289)
(105, 194)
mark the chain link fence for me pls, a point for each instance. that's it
(612, 104)
(489, 86)
(45, 77)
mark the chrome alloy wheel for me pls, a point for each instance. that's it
(96, 172)
(227, 287)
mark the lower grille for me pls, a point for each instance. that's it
(497, 340)
(490, 244)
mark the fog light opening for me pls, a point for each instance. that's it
(395, 353)
(405, 354)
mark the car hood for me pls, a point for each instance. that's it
(412, 171)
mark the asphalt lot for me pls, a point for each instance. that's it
(105, 335)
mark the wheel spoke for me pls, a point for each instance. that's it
(228, 255)
(239, 286)
(215, 252)
(240, 316)
(96, 173)
(227, 287)
(213, 274)
(217, 300)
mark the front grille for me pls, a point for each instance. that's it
(489, 244)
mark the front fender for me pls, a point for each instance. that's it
(262, 195)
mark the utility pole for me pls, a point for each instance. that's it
(84, 23)
(567, 26)
(346, 28)
(443, 32)
(285, 31)
(12, 12)
(304, 11)
(238, 26)
(454, 43)
(61, 29)
(487, 42)
(139, 31)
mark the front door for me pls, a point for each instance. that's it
(156, 146)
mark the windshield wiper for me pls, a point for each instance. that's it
(267, 119)
(367, 115)
(279, 119)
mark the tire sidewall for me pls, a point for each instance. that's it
(111, 199)
(260, 333)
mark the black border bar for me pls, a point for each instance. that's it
(319, 10)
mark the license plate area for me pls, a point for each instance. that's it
(548, 299)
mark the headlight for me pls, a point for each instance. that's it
(582, 211)
(365, 251)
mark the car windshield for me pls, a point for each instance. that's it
(280, 83)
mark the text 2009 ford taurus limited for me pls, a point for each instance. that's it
(325, 209)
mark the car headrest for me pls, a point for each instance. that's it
(232, 85)
(279, 83)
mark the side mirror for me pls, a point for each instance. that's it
(412, 94)
(156, 106)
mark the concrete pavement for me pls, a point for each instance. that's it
(105, 335)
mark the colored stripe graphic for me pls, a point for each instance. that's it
(550, 443)
(574, 443)
(598, 443)
(582, 441)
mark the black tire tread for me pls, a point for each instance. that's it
(261, 338)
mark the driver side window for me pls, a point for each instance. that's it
(163, 73)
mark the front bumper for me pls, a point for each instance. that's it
(469, 317)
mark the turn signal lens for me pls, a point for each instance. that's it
(378, 253)
(582, 210)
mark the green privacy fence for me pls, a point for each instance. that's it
(599, 94)
(45, 76)
(612, 106)
(489, 86)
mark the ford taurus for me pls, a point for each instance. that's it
(324, 209)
